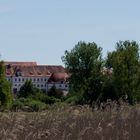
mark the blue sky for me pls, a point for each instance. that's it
(41, 30)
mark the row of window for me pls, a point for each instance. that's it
(32, 79)
(37, 85)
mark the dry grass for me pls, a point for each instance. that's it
(72, 123)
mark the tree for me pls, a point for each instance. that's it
(5, 88)
(84, 63)
(57, 93)
(126, 70)
(28, 89)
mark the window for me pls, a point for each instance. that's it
(45, 79)
(18, 73)
(37, 79)
(38, 73)
(19, 79)
(60, 86)
(15, 85)
(41, 79)
(15, 79)
(38, 85)
(34, 79)
(41, 85)
(31, 73)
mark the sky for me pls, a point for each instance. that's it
(41, 30)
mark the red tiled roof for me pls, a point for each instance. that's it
(58, 77)
(56, 68)
(20, 63)
(34, 70)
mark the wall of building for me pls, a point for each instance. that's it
(39, 82)
(42, 76)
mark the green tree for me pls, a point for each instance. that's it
(53, 92)
(28, 90)
(126, 70)
(84, 63)
(5, 88)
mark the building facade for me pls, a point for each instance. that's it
(42, 76)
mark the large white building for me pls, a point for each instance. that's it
(42, 76)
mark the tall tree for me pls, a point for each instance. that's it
(126, 69)
(84, 64)
(5, 88)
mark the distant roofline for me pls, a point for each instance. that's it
(27, 67)
(21, 63)
(28, 62)
(50, 65)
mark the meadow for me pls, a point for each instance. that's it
(65, 122)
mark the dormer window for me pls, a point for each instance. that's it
(18, 73)
(31, 73)
(48, 73)
(7, 73)
(8, 66)
(38, 73)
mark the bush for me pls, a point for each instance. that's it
(38, 96)
(51, 100)
(57, 93)
(75, 99)
(36, 105)
(44, 98)
(28, 104)
(17, 104)
(28, 89)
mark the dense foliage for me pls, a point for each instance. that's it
(96, 80)
(30, 98)
(27, 90)
(125, 62)
(5, 88)
(84, 63)
(54, 92)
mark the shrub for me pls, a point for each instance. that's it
(17, 104)
(51, 100)
(75, 99)
(28, 104)
(36, 105)
(28, 89)
(38, 96)
(57, 93)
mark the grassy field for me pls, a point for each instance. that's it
(72, 123)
